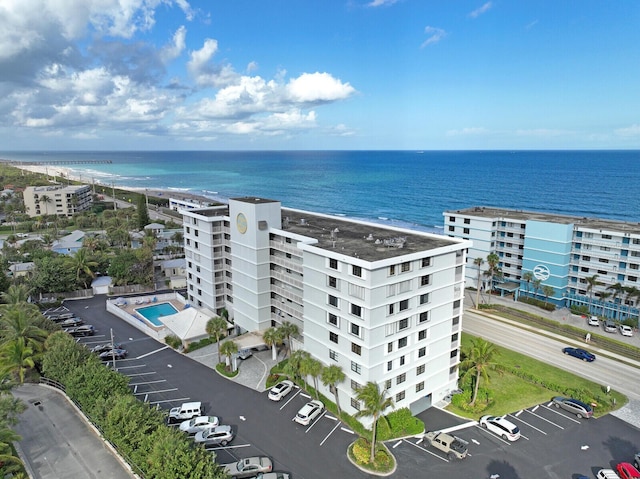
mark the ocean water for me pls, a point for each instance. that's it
(403, 188)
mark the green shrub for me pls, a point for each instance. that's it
(399, 423)
(173, 341)
(201, 344)
(483, 401)
(360, 452)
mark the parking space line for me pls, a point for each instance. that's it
(155, 392)
(140, 374)
(327, 436)
(316, 421)
(292, 397)
(347, 430)
(494, 435)
(530, 425)
(544, 419)
(305, 396)
(170, 400)
(148, 382)
(152, 352)
(130, 367)
(561, 414)
(426, 450)
(227, 447)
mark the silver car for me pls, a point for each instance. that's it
(248, 467)
(215, 436)
(200, 423)
(309, 412)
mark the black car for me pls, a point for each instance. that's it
(71, 322)
(101, 348)
(85, 330)
(114, 353)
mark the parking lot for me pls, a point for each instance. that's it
(553, 444)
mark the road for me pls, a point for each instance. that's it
(605, 371)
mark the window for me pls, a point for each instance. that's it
(391, 306)
(333, 337)
(404, 286)
(400, 396)
(401, 378)
(356, 348)
(356, 310)
(333, 263)
(356, 368)
(389, 365)
(390, 347)
(387, 384)
(453, 354)
(402, 360)
(392, 270)
(424, 298)
(424, 316)
(422, 352)
(333, 301)
(467, 221)
(452, 219)
(356, 271)
(426, 262)
(333, 355)
(355, 404)
(406, 266)
(402, 342)
(454, 337)
(465, 231)
(419, 386)
(355, 329)
(452, 228)
(354, 385)
(403, 324)
(404, 304)
(420, 370)
(196, 232)
(332, 282)
(333, 319)
(422, 335)
(424, 280)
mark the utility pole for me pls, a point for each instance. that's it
(113, 350)
(113, 195)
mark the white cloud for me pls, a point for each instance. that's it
(251, 67)
(318, 87)
(530, 25)
(381, 3)
(483, 9)
(174, 49)
(468, 131)
(204, 71)
(435, 35)
(630, 131)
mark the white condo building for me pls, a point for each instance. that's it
(57, 200)
(383, 303)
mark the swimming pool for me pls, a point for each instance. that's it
(152, 313)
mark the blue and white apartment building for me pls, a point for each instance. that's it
(385, 304)
(560, 251)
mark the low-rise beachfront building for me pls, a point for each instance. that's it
(57, 200)
(587, 261)
(385, 304)
(177, 204)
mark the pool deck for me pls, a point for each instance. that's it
(136, 302)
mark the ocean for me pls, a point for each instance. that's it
(401, 188)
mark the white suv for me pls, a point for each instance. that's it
(309, 412)
(593, 321)
(500, 426)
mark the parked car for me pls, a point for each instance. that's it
(84, 330)
(114, 353)
(580, 354)
(280, 390)
(626, 330)
(249, 467)
(245, 354)
(215, 436)
(500, 426)
(71, 322)
(187, 410)
(626, 471)
(273, 475)
(580, 409)
(309, 412)
(101, 348)
(610, 326)
(200, 423)
(59, 316)
(593, 321)
(636, 460)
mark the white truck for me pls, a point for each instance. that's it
(452, 446)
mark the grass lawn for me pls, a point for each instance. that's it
(511, 393)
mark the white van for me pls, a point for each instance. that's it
(185, 411)
(607, 474)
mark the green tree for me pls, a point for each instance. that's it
(592, 282)
(228, 349)
(493, 270)
(617, 289)
(46, 201)
(375, 402)
(82, 265)
(62, 357)
(537, 284)
(272, 338)
(293, 368)
(312, 367)
(143, 212)
(10, 463)
(478, 262)
(527, 278)
(52, 274)
(479, 360)
(288, 329)
(17, 357)
(16, 294)
(18, 321)
(547, 291)
(332, 376)
(216, 328)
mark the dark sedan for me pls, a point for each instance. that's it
(580, 354)
(101, 348)
(86, 330)
(71, 322)
(114, 353)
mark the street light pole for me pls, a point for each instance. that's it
(113, 350)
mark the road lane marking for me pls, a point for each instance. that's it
(226, 447)
(553, 410)
(347, 430)
(316, 421)
(128, 367)
(327, 436)
(152, 352)
(148, 382)
(139, 374)
(545, 419)
(170, 400)
(530, 425)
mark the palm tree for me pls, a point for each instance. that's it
(17, 357)
(537, 284)
(547, 291)
(527, 277)
(287, 330)
(375, 403)
(617, 290)
(631, 293)
(493, 269)
(592, 282)
(90, 243)
(177, 237)
(479, 360)
(332, 376)
(310, 366)
(46, 201)
(216, 327)
(603, 297)
(7, 437)
(18, 322)
(272, 338)
(16, 294)
(228, 349)
(293, 368)
(478, 262)
(81, 263)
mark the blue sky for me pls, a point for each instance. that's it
(312, 74)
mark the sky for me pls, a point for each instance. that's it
(319, 74)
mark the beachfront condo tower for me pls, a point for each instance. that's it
(383, 303)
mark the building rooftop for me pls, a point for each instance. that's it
(505, 213)
(368, 241)
(254, 200)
